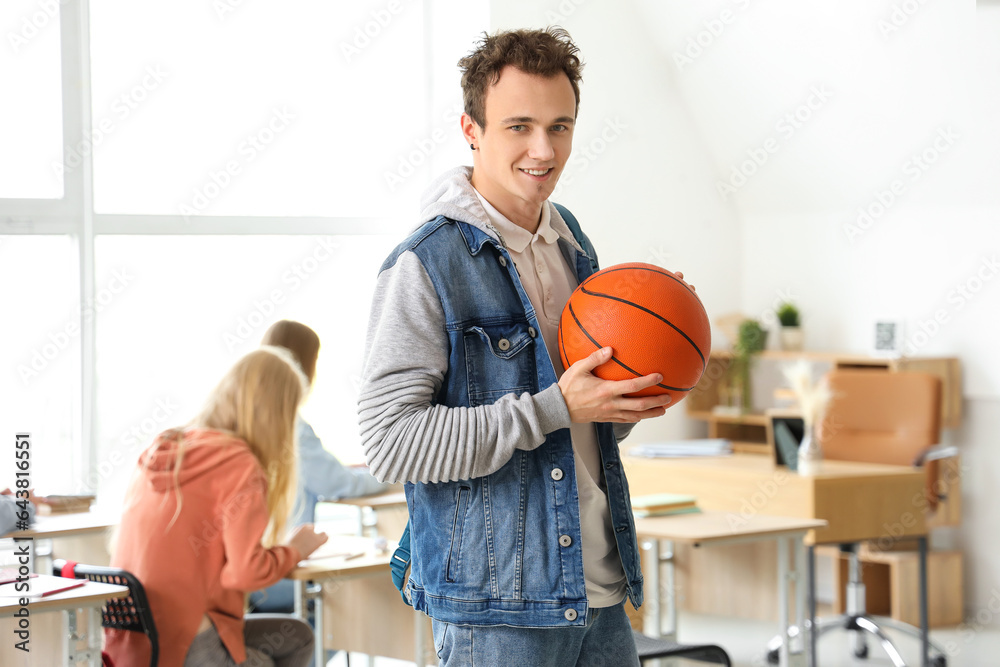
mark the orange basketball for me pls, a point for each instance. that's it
(653, 321)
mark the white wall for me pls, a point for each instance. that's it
(701, 88)
(641, 176)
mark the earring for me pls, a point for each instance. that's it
(472, 146)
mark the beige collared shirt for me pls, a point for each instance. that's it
(548, 281)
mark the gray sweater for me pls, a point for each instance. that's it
(405, 437)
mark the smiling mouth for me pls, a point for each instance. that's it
(537, 172)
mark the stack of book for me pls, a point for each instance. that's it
(64, 504)
(681, 448)
(661, 504)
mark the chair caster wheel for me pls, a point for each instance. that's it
(773, 657)
(939, 661)
(861, 653)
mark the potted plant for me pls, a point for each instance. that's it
(791, 332)
(750, 341)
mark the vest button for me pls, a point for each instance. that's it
(565, 540)
(532, 332)
(503, 344)
(570, 614)
(502, 260)
(557, 474)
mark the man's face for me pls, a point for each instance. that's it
(526, 142)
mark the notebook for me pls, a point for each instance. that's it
(40, 586)
(660, 504)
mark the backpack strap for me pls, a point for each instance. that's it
(399, 564)
(581, 238)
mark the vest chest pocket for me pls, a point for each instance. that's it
(499, 360)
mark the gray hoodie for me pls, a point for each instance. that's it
(406, 438)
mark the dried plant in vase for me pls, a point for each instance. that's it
(812, 397)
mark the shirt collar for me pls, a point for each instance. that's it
(515, 237)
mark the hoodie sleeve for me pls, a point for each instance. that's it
(405, 436)
(325, 476)
(249, 566)
(9, 510)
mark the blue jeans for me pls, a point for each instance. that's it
(605, 640)
(278, 598)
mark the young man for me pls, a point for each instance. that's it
(522, 538)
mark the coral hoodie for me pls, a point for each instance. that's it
(209, 558)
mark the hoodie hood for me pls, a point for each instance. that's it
(205, 452)
(451, 194)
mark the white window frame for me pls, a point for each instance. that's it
(74, 213)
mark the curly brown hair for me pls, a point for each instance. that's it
(544, 52)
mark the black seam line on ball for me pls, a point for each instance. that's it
(630, 370)
(654, 314)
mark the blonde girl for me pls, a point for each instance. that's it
(203, 522)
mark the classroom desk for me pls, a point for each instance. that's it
(70, 526)
(66, 525)
(352, 585)
(48, 636)
(708, 528)
(391, 503)
(859, 501)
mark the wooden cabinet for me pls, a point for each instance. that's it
(748, 431)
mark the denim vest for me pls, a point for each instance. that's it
(504, 548)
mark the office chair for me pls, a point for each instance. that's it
(128, 613)
(650, 648)
(881, 417)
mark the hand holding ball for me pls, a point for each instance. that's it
(651, 318)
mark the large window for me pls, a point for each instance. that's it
(176, 177)
(260, 109)
(189, 306)
(31, 113)
(40, 381)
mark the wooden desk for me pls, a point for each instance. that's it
(75, 532)
(388, 499)
(390, 508)
(358, 596)
(53, 642)
(66, 525)
(708, 528)
(858, 501)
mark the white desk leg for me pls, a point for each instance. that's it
(299, 603)
(783, 652)
(668, 558)
(301, 611)
(653, 565)
(800, 594)
(319, 657)
(95, 633)
(71, 637)
(419, 638)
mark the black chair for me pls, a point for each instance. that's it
(650, 648)
(127, 613)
